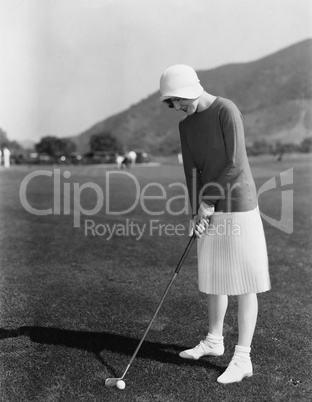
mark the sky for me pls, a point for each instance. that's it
(68, 64)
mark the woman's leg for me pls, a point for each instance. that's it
(247, 318)
(217, 306)
(241, 366)
(212, 345)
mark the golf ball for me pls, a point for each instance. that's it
(121, 384)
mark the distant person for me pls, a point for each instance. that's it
(125, 162)
(132, 157)
(280, 155)
(231, 246)
(6, 157)
(119, 160)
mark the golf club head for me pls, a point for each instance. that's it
(112, 382)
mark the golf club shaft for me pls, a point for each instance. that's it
(177, 270)
(184, 255)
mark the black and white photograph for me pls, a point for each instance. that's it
(155, 200)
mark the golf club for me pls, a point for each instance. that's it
(119, 382)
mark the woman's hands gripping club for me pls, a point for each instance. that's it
(200, 222)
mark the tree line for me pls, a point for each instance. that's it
(259, 147)
(106, 143)
(54, 146)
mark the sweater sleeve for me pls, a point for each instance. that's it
(231, 124)
(192, 173)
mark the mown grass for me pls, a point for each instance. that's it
(74, 305)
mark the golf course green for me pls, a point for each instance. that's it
(86, 254)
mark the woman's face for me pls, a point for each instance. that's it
(188, 106)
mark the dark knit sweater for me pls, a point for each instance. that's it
(215, 159)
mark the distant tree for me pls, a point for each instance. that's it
(104, 142)
(55, 146)
(306, 145)
(68, 146)
(15, 146)
(289, 148)
(5, 142)
(259, 147)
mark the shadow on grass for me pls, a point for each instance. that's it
(98, 342)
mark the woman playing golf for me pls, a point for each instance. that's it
(231, 247)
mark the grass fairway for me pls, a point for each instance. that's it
(75, 303)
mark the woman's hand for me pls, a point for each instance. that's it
(199, 226)
(200, 222)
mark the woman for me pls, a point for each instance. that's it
(231, 247)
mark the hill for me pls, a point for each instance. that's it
(274, 94)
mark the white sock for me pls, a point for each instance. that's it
(242, 353)
(213, 341)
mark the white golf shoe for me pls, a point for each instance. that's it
(202, 349)
(236, 371)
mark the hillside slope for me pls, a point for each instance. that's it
(274, 94)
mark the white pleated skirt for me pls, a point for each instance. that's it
(232, 255)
